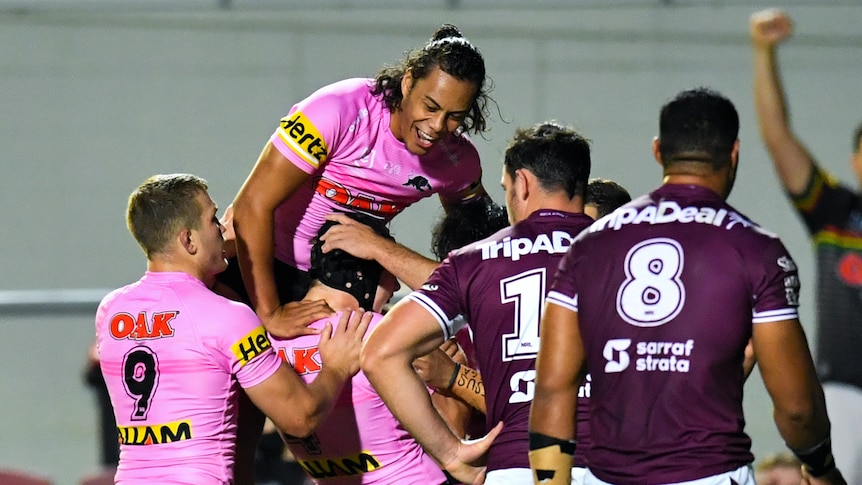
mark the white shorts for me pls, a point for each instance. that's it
(742, 476)
(520, 476)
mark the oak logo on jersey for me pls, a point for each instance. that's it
(297, 132)
(304, 360)
(155, 434)
(342, 195)
(255, 343)
(124, 325)
(362, 462)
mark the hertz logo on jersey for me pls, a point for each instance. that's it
(255, 343)
(298, 133)
(155, 434)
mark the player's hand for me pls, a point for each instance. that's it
(769, 27)
(832, 478)
(353, 237)
(468, 465)
(292, 319)
(339, 347)
(436, 367)
(228, 234)
(454, 351)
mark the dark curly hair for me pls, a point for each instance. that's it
(449, 50)
(467, 223)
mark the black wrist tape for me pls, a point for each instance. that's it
(539, 441)
(454, 376)
(817, 460)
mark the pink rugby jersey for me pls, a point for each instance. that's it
(360, 441)
(340, 136)
(169, 349)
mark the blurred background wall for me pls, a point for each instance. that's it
(95, 96)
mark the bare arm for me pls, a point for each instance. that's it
(297, 408)
(792, 161)
(560, 369)
(438, 370)
(361, 241)
(405, 333)
(407, 265)
(789, 376)
(446, 370)
(455, 412)
(273, 179)
(749, 360)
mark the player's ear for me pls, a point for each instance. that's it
(187, 240)
(656, 150)
(406, 83)
(734, 154)
(524, 179)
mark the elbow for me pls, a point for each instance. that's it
(799, 415)
(300, 424)
(296, 429)
(370, 361)
(775, 137)
(242, 209)
(805, 419)
(376, 361)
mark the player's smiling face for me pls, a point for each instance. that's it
(431, 108)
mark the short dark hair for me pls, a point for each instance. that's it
(161, 207)
(449, 50)
(557, 155)
(606, 195)
(698, 125)
(343, 271)
(467, 223)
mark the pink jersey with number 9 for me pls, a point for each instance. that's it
(170, 350)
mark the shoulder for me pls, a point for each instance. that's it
(348, 94)
(115, 294)
(117, 298)
(230, 308)
(460, 148)
(216, 313)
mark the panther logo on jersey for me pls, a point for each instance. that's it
(419, 183)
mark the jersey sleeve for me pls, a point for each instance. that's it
(563, 291)
(313, 128)
(467, 179)
(441, 297)
(776, 285)
(245, 347)
(825, 202)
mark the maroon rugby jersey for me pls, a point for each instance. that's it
(499, 285)
(667, 288)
